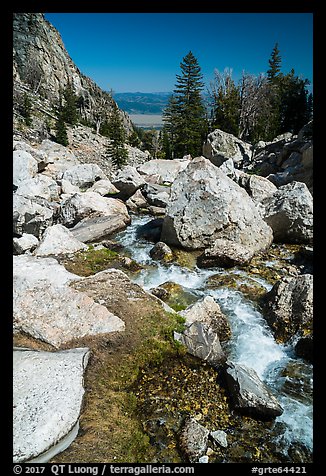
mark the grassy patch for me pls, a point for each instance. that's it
(110, 427)
(91, 261)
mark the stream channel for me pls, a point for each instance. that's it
(252, 342)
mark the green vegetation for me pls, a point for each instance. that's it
(26, 110)
(117, 135)
(260, 107)
(110, 427)
(185, 114)
(91, 261)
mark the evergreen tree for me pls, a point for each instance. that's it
(61, 136)
(117, 135)
(26, 110)
(134, 139)
(294, 106)
(186, 114)
(70, 106)
(274, 62)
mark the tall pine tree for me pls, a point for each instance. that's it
(186, 115)
(117, 135)
(274, 62)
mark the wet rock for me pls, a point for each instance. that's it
(161, 252)
(57, 239)
(289, 212)
(47, 397)
(128, 181)
(249, 394)
(288, 307)
(47, 308)
(151, 231)
(202, 342)
(225, 253)
(304, 348)
(220, 437)
(205, 205)
(84, 175)
(194, 440)
(207, 311)
(25, 243)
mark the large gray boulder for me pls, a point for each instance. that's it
(257, 187)
(39, 186)
(156, 195)
(46, 307)
(225, 253)
(128, 181)
(47, 398)
(104, 187)
(57, 240)
(288, 307)
(39, 155)
(31, 215)
(84, 175)
(289, 212)
(206, 205)
(205, 327)
(24, 166)
(24, 243)
(166, 170)
(59, 158)
(207, 311)
(88, 204)
(221, 146)
(249, 394)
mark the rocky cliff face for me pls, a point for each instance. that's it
(41, 62)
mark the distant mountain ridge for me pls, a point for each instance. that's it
(142, 103)
(146, 103)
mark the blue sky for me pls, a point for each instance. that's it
(129, 52)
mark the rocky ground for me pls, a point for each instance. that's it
(76, 305)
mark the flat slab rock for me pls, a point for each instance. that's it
(46, 307)
(249, 394)
(47, 396)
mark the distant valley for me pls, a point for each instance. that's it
(142, 103)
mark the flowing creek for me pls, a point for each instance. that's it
(252, 342)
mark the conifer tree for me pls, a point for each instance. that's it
(274, 62)
(70, 104)
(117, 135)
(61, 136)
(186, 114)
(26, 110)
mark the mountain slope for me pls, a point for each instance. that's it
(41, 62)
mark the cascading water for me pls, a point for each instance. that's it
(252, 342)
